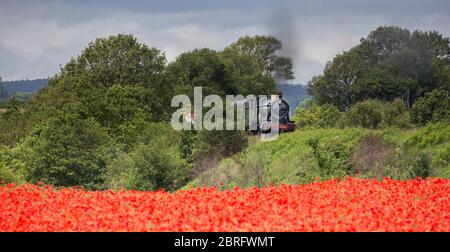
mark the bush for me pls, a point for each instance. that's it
(317, 116)
(8, 176)
(432, 107)
(421, 167)
(396, 114)
(66, 151)
(209, 147)
(434, 141)
(366, 114)
(155, 163)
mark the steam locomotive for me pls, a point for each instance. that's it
(281, 121)
(263, 121)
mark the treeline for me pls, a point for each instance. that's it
(390, 63)
(433, 107)
(394, 77)
(102, 122)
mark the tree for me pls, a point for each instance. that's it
(7, 175)
(390, 63)
(67, 150)
(200, 68)
(432, 107)
(246, 74)
(264, 49)
(112, 80)
(339, 84)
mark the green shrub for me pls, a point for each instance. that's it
(121, 172)
(66, 151)
(206, 148)
(432, 107)
(366, 114)
(434, 140)
(9, 176)
(317, 116)
(154, 163)
(432, 135)
(396, 114)
(421, 167)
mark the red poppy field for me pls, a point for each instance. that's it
(348, 205)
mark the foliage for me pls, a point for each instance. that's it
(263, 49)
(204, 149)
(155, 163)
(366, 114)
(390, 63)
(304, 155)
(93, 124)
(9, 176)
(432, 107)
(422, 167)
(396, 114)
(298, 157)
(200, 68)
(220, 73)
(67, 150)
(246, 74)
(317, 116)
(108, 74)
(102, 121)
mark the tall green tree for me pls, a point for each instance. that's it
(67, 150)
(113, 80)
(216, 73)
(264, 50)
(390, 63)
(246, 74)
(200, 68)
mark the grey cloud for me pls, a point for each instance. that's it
(37, 37)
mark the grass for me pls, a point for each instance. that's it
(305, 155)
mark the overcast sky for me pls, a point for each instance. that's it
(36, 37)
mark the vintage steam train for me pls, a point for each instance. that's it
(261, 121)
(267, 122)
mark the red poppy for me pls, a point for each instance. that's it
(348, 205)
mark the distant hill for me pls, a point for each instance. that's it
(24, 86)
(293, 94)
